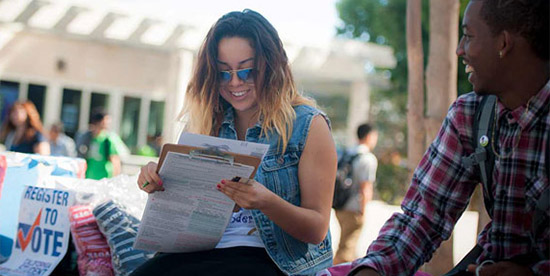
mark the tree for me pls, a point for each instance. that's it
(441, 86)
(383, 22)
(415, 57)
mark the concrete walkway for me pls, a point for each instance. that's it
(378, 212)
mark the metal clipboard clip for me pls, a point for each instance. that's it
(213, 152)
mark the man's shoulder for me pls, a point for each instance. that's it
(364, 156)
(367, 159)
(66, 139)
(462, 112)
(113, 137)
(467, 102)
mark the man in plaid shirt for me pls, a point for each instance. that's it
(506, 51)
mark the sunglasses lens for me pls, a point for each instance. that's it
(225, 76)
(245, 74)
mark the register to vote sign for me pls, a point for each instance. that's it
(42, 235)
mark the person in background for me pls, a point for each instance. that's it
(61, 144)
(100, 148)
(506, 50)
(242, 88)
(23, 131)
(153, 146)
(351, 216)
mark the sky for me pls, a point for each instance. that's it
(307, 22)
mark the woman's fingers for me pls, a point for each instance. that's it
(149, 181)
(152, 169)
(243, 194)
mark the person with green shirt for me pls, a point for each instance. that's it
(100, 148)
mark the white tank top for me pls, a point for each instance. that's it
(241, 231)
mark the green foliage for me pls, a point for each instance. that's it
(390, 189)
(335, 106)
(384, 22)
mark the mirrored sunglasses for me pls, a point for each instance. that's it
(243, 74)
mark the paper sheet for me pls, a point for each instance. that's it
(191, 214)
(235, 146)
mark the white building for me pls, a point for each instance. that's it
(69, 59)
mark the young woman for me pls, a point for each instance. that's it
(242, 88)
(22, 131)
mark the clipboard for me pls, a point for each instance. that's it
(212, 153)
(203, 165)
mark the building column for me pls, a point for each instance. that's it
(116, 105)
(143, 121)
(84, 117)
(23, 90)
(52, 107)
(358, 110)
(181, 67)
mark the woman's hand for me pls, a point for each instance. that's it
(148, 179)
(249, 196)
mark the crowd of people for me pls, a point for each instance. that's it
(22, 131)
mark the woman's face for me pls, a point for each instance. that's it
(237, 85)
(18, 115)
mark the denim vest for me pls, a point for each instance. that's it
(279, 173)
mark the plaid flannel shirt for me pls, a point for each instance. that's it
(442, 186)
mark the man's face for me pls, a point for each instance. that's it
(372, 139)
(54, 133)
(479, 50)
(105, 123)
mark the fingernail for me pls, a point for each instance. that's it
(223, 181)
(160, 183)
(218, 186)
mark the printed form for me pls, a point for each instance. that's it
(191, 214)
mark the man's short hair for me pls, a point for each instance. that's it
(527, 18)
(98, 114)
(363, 130)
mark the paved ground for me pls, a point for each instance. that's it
(378, 212)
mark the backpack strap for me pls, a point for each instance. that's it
(485, 158)
(541, 217)
(469, 259)
(547, 160)
(482, 132)
(107, 147)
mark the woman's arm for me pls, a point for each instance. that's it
(316, 174)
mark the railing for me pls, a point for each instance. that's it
(131, 164)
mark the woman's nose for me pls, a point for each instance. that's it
(235, 80)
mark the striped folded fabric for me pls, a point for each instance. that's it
(120, 229)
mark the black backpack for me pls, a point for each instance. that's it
(485, 159)
(83, 145)
(344, 180)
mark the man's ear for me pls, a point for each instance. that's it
(506, 43)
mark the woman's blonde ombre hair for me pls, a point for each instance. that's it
(204, 108)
